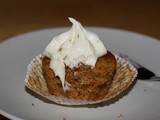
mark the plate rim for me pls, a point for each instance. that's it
(9, 115)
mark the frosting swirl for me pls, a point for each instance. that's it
(72, 48)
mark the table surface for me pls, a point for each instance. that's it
(17, 16)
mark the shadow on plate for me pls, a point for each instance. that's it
(102, 104)
(38, 96)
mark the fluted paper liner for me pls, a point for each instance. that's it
(125, 75)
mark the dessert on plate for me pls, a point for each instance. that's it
(76, 68)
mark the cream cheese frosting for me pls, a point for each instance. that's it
(72, 48)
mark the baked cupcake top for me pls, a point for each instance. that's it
(72, 48)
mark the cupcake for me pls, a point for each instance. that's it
(76, 68)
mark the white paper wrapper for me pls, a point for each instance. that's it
(125, 75)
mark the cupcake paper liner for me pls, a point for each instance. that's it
(124, 77)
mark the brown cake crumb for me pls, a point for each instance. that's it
(64, 118)
(33, 104)
(120, 116)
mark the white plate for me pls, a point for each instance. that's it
(141, 102)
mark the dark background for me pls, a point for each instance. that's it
(18, 16)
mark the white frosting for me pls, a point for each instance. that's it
(72, 48)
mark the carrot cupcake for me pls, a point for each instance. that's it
(75, 68)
